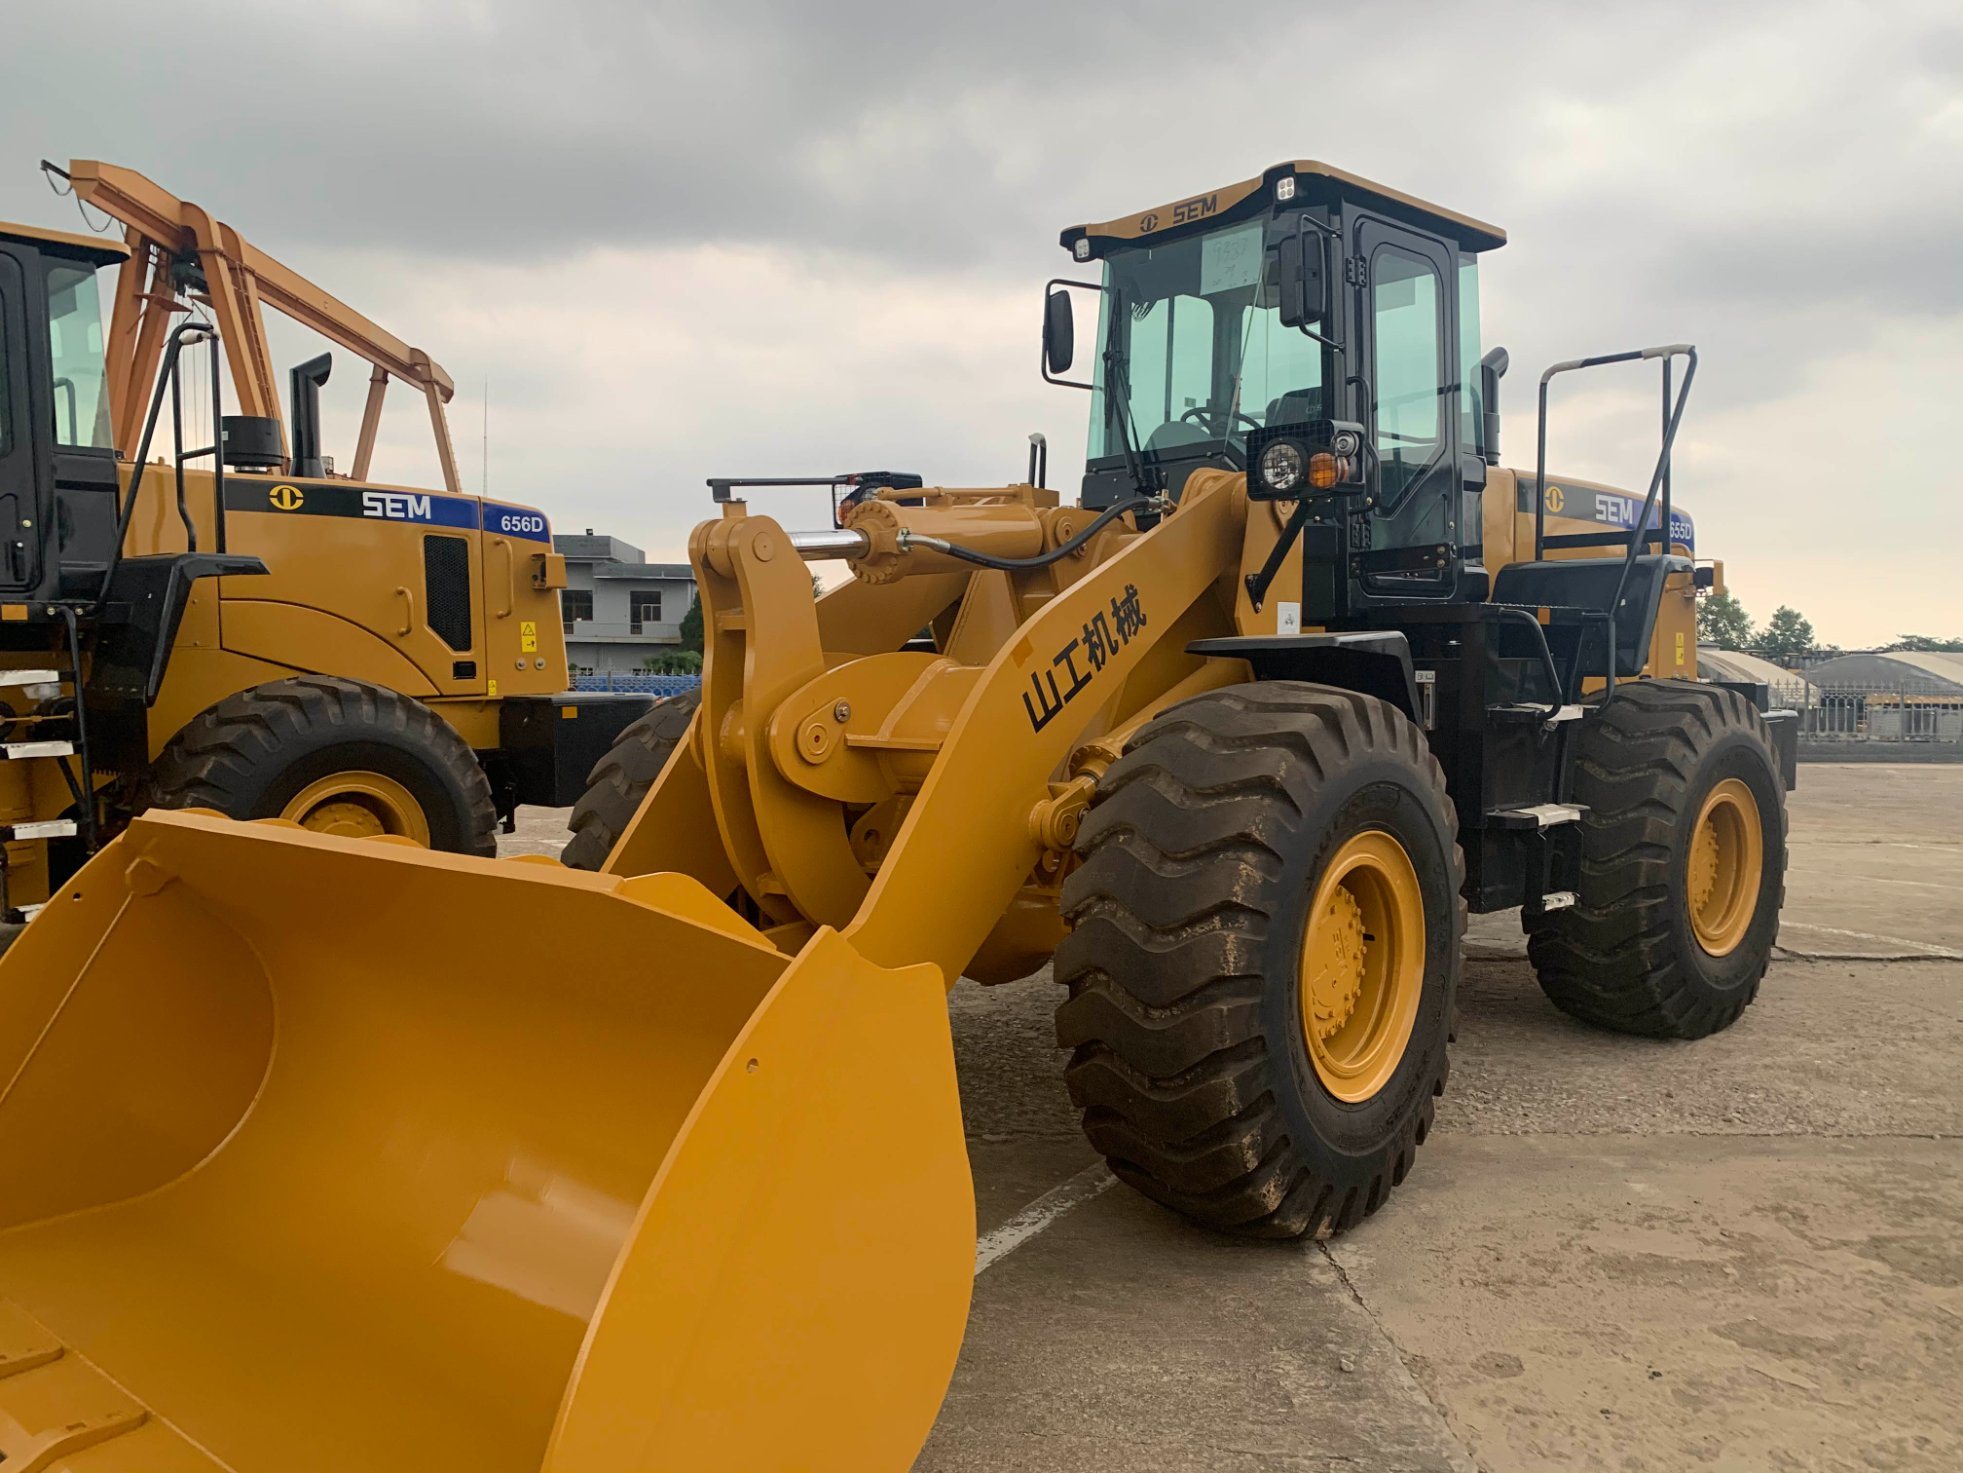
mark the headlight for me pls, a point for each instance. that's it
(1281, 467)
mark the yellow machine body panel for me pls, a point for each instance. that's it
(1575, 508)
(351, 590)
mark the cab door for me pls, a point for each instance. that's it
(1403, 284)
(21, 519)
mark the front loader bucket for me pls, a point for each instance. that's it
(337, 1154)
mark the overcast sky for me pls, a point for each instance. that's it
(761, 236)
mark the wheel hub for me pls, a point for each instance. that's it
(1363, 965)
(345, 817)
(1336, 982)
(358, 805)
(1704, 863)
(1724, 867)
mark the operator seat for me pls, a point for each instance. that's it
(1297, 406)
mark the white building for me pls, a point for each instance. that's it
(620, 610)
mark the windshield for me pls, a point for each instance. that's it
(81, 379)
(1195, 324)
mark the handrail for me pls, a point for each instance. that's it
(181, 336)
(1546, 653)
(1640, 535)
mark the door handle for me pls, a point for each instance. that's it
(408, 610)
(510, 577)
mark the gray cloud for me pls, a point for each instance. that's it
(883, 184)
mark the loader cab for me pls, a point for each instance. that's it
(58, 473)
(1285, 308)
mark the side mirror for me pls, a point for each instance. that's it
(1491, 368)
(1059, 332)
(1302, 277)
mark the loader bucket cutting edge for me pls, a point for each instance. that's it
(320, 1153)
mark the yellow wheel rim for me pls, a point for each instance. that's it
(1725, 866)
(358, 805)
(1363, 966)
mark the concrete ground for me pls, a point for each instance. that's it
(1613, 1254)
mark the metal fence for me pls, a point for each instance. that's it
(643, 685)
(1898, 711)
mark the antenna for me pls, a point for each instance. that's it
(484, 448)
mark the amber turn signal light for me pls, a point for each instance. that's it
(1325, 470)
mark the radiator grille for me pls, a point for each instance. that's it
(446, 589)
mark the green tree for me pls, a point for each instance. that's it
(1786, 637)
(1722, 623)
(673, 662)
(1927, 643)
(692, 627)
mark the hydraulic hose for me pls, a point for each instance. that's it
(1042, 559)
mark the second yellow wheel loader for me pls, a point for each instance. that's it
(320, 1153)
(232, 625)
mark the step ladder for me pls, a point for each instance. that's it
(1540, 819)
(57, 737)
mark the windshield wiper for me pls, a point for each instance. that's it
(1141, 465)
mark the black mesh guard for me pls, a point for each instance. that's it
(446, 589)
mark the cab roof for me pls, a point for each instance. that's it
(65, 243)
(1253, 196)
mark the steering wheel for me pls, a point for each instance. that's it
(1205, 412)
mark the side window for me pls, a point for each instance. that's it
(81, 375)
(575, 604)
(1409, 389)
(1408, 330)
(1281, 372)
(1171, 360)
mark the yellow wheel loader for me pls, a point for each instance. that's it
(324, 1153)
(233, 626)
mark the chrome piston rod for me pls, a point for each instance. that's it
(817, 546)
(840, 543)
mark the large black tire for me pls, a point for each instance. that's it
(1200, 854)
(621, 779)
(253, 753)
(1626, 955)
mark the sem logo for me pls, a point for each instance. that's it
(396, 506)
(1556, 498)
(286, 498)
(1622, 511)
(1195, 209)
(1148, 222)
